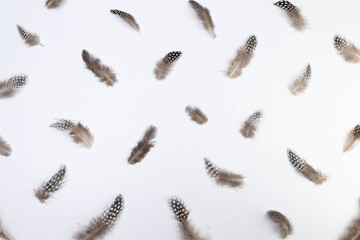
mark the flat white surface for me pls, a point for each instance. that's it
(314, 124)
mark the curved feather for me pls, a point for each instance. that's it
(204, 15)
(251, 124)
(298, 21)
(282, 221)
(164, 66)
(127, 17)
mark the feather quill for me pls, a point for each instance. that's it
(283, 222)
(347, 49)
(196, 115)
(298, 21)
(164, 66)
(352, 139)
(251, 124)
(5, 148)
(102, 225)
(50, 4)
(242, 58)
(30, 39)
(4, 234)
(204, 15)
(223, 177)
(127, 17)
(186, 228)
(10, 87)
(305, 169)
(79, 133)
(103, 72)
(142, 148)
(302, 82)
(47, 189)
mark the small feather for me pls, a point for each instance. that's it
(164, 66)
(301, 83)
(283, 222)
(4, 234)
(10, 87)
(250, 126)
(352, 139)
(50, 4)
(139, 152)
(5, 148)
(31, 39)
(353, 230)
(196, 115)
(347, 49)
(204, 15)
(294, 14)
(127, 17)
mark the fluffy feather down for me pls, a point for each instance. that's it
(5, 148)
(298, 21)
(164, 66)
(347, 49)
(283, 222)
(196, 115)
(10, 87)
(139, 152)
(302, 82)
(127, 17)
(204, 15)
(50, 4)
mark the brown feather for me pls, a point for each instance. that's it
(30, 39)
(294, 14)
(127, 17)
(250, 125)
(352, 139)
(5, 148)
(4, 234)
(283, 222)
(50, 4)
(82, 134)
(103, 72)
(139, 152)
(189, 232)
(196, 115)
(347, 49)
(301, 83)
(10, 87)
(353, 231)
(164, 66)
(204, 15)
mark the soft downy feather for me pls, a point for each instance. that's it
(298, 21)
(242, 58)
(127, 17)
(283, 222)
(353, 230)
(204, 15)
(102, 225)
(223, 177)
(251, 124)
(79, 133)
(302, 82)
(196, 115)
(305, 169)
(352, 139)
(46, 190)
(4, 234)
(347, 49)
(103, 72)
(186, 228)
(142, 148)
(30, 39)
(5, 148)
(50, 4)
(164, 66)
(10, 87)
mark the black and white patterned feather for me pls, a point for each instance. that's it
(30, 39)
(127, 17)
(293, 13)
(347, 49)
(164, 66)
(10, 87)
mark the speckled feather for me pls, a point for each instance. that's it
(283, 222)
(10, 87)
(347, 49)
(298, 21)
(127, 17)
(196, 115)
(251, 124)
(30, 39)
(302, 82)
(164, 66)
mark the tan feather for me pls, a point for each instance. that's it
(283, 222)
(204, 15)
(353, 230)
(139, 152)
(50, 4)
(10, 87)
(251, 124)
(127, 17)
(196, 115)
(4, 234)
(31, 39)
(5, 148)
(352, 139)
(242, 58)
(103, 72)
(294, 14)
(347, 49)
(302, 82)
(164, 66)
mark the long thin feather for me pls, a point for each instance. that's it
(298, 21)
(103, 72)
(142, 148)
(51, 4)
(5, 148)
(4, 234)
(222, 176)
(204, 15)
(251, 124)
(196, 115)
(242, 58)
(302, 82)
(164, 66)
(100, 226)
(127, 17)
(305, 169)
(283, 222)
(352, 139)
(347, 49)
(46, 190)
(30, 39)
(10, 87)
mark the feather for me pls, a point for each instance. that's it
(31, 39)
(347, 49)
(186, 228)
(50, 4)
(196, 115)
(305, 169)
(250, 126)
(103, 72)
(352, 139)
(5, 148)
(164, 66)
(294, 14)
(4, 234)
(301, 83)
(10, 87)
(222, 176)
(353, 231)
(54, 184)
(204, 15)
(127, 17)
(78, 132)
(283, 222)
(142, 148)
(103, 224)
(242, 58)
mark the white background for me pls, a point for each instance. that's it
(314, 124)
